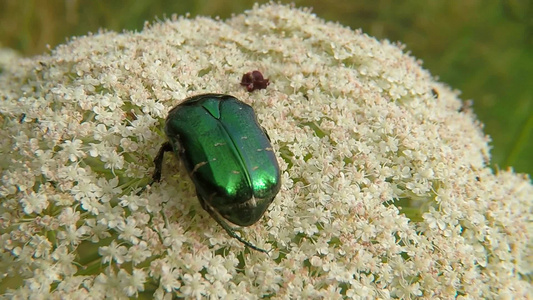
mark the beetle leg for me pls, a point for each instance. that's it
(158, 161)
(226, 227)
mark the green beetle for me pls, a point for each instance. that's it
(228, 156)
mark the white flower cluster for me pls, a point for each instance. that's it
(385, 193)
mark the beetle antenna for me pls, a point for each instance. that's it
(230, 230)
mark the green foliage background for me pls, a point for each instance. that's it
(483, 48)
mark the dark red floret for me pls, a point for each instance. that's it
(254, 81)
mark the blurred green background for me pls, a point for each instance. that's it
(483, 48)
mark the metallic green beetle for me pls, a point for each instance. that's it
(228, 156)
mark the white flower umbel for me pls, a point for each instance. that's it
(7, 57)
(386, 190)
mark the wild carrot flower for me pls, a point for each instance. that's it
(386, 187)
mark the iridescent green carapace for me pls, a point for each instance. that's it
(228, 156)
